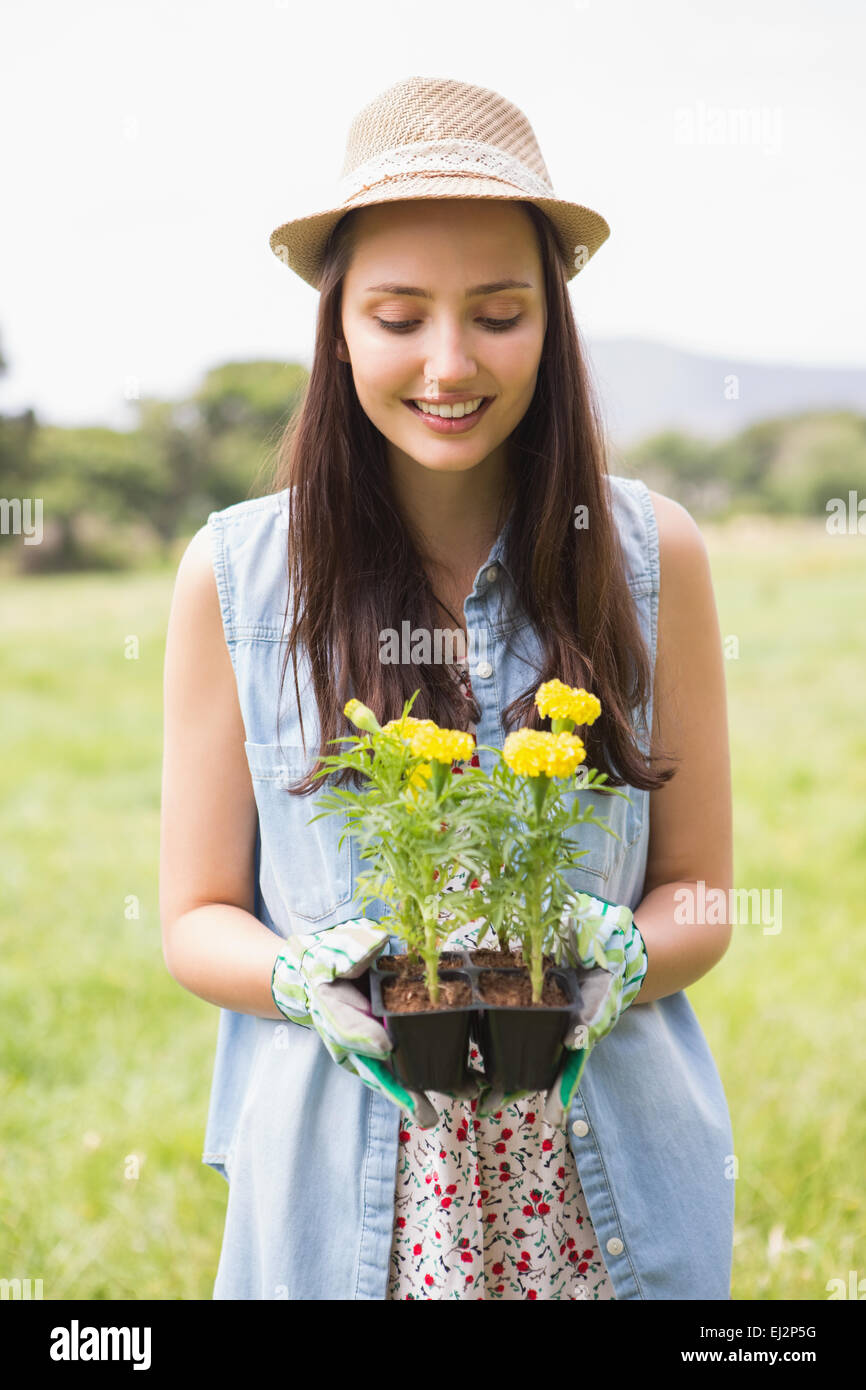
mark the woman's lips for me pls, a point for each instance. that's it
(440, 425)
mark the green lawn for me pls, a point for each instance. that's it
(105, 1062)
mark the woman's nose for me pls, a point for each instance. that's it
(449, 359)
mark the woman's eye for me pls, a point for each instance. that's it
(492, 325)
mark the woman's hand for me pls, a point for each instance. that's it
(311, 985)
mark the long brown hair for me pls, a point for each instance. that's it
(355, 570)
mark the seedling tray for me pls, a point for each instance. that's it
(521, 1045)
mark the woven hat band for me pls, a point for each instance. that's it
(448, 158)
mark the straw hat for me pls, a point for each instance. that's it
(429, 137)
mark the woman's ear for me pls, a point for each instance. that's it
(342, 350)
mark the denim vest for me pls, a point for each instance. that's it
(309, 1152)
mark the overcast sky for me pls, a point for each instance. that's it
(151, 146)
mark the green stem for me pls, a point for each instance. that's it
(439, 776)
(536, 936)
(431, 960)
(536, 930)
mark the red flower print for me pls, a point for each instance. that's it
(582, 1267)
(498, 1268)
(452, 1187)
(562, 1196)
(404, 1136)
(446, 1201)
(524, 1269)
(499, 1148)
(573, 1256)
(474, 883)
(530, 1119)
(479, 1204)
(587, 1254)
(476, 1124)
(469, 1278)
(560, 1172)
(562, 1249)
(491, 1216)
(438, 1190)
(498, 1115)
(484, 1194)
(401, 1222)
(476, 1180)
(527, 1211)
(466, 1257)
(499, 1288)
(520, 1234)
(473, 1103)
(543, 1208)
(547, 1144)
(570, 1242)
(416, 1249)
(473, 1052)
(441, 1153)
(428, 1278)
(438, 1237)
(428, 1178)
(461, 1135)
(531, 1294)
(505, 1176)
(507, 1133)
(464, 1242)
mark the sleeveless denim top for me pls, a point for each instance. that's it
(309, 1152)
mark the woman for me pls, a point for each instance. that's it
(443, 276)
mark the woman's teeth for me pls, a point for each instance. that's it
(449, 412)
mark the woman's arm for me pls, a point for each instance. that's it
(212, 942)
(691, 837)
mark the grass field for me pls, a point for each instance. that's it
(105, 1062)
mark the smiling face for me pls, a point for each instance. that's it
(444, 300)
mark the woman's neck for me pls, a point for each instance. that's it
(454, 516)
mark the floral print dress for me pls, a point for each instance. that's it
(491, 1207)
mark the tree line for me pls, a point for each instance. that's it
(116, 498)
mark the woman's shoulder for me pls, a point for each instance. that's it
(253, 512)
(658, 531)
(680, 539)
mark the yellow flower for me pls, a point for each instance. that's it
(408, 728)
(567, 750)
(560, 701)
(427, 740)
(533, 752)
(444, 745)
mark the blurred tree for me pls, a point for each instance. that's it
(684, 467)
(255, 398)
(819, 456)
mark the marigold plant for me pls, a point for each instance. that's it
(412, 818)
(527, 793)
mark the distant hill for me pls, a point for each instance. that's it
(646, 387)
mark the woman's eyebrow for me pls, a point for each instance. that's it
(417, 293)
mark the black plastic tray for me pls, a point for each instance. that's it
(521, 1045)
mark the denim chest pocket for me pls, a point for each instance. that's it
(604, 853)
(312, 871)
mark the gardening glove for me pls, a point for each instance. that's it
(605, 939)
(310, 985)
